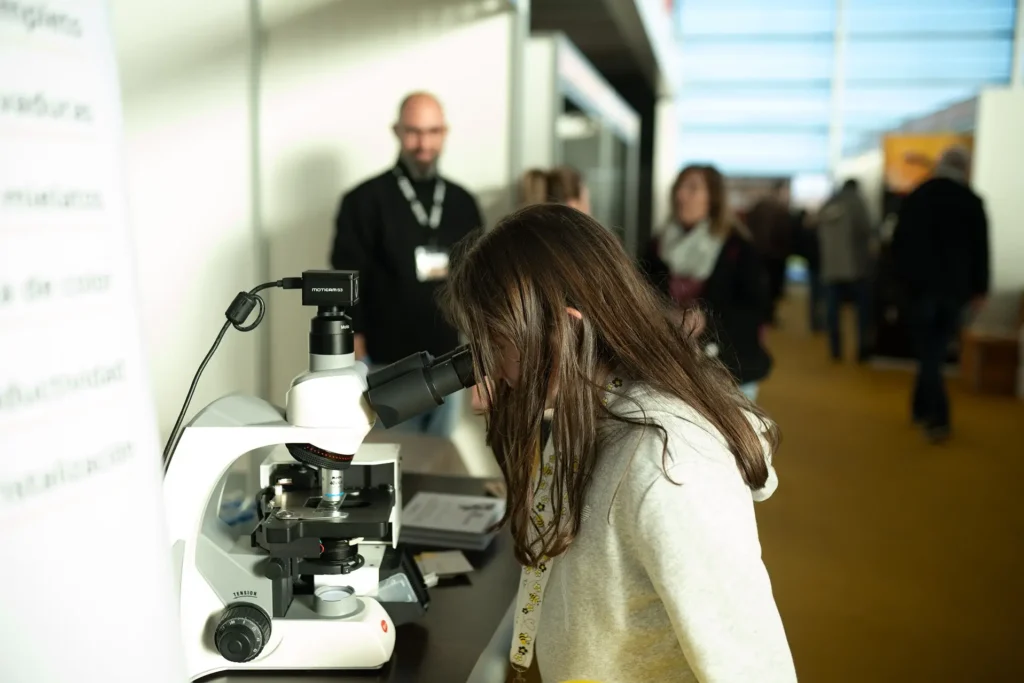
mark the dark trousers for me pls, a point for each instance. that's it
(776, 268)
(933, 326)
(858, 293)
(815, 301)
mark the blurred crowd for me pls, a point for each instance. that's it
(931, 265)
(730, 262)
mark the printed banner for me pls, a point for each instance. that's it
(85, 585)
(911, 158)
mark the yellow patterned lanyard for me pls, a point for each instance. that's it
(534, 580)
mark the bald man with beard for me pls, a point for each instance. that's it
(397, 229)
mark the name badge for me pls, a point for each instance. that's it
(431, 264)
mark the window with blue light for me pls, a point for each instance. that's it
(733, 18)
(720, 63)
(756, 80)
(914, 17)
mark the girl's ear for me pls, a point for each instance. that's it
(574, 313)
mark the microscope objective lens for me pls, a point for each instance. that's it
(332, 485)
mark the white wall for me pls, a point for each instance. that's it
(666, 159)
(999, 148)
(333, 75)
(543, 102)
(187, 160)
(867, 168)
(332, 82)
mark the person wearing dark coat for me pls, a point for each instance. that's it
(941, 254)
(705, 258)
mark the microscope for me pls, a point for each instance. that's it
(317, 579)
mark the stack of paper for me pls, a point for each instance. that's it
(444, 520)
(443, 564)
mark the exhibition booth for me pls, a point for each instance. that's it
(190, 166)
(260, 116)
(987, 125)
(331, 83)
(289, 107)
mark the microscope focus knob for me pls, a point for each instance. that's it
(242, 633)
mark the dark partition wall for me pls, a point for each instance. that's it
(640, 95)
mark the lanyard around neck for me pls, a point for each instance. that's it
(534, 580)
(434, 219)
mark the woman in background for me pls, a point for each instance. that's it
(560, 185)
(705, 256)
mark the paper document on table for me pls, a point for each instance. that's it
(443, 564)
(453, 513)
(443, 520)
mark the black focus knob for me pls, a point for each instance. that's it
(277, 568)
(242, 633)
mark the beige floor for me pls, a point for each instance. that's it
(892, 559)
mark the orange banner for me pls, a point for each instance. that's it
(911, 158)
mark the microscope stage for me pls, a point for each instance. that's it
(362, 513)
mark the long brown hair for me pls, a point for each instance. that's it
(511, 287)
(560, 185)
(720, 218)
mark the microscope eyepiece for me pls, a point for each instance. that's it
(418, 383)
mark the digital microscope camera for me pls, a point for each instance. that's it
(302, 585)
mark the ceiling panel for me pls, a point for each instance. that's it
(590, 25)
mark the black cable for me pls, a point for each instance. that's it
(237, 313)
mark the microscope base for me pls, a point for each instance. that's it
(303, 641)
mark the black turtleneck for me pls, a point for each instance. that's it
(377, 234)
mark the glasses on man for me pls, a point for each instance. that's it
(422, 133)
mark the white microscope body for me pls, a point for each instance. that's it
(298, 588)
(219, 568)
